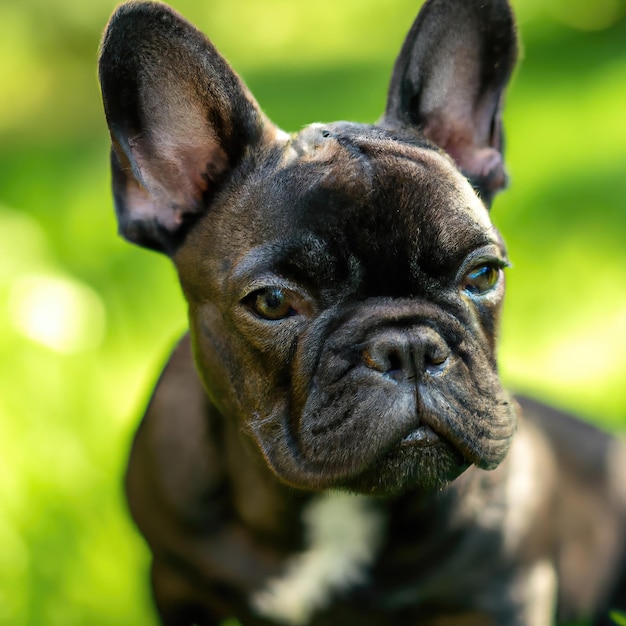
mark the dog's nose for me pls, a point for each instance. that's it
(407, 354)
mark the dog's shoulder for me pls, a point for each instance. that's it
(584, 453)
(588, 512)
(176, 465)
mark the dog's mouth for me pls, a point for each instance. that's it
(383, 439)
(422, 460)
(365, 459)
(422, 437)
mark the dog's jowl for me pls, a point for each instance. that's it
(331, 443)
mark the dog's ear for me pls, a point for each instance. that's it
(449, 79)
(180, 120)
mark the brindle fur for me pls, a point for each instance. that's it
(507, 512)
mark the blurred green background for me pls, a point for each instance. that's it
(87, 320)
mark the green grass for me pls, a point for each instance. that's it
(618, 618)
(87, 319)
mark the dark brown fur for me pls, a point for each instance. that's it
(344, 288)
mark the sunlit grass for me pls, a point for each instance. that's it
(86, 319)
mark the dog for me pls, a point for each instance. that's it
(331, 443)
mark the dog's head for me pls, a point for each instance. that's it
(344, 283)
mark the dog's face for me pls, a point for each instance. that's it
(344, 283)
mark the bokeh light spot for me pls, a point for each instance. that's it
(58, 312)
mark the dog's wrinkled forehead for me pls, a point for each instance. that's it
(359, 191)
(188, 137)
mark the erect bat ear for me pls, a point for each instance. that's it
(449, 79)
(180, 121)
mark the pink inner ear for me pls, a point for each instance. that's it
(486, 166)
(139, 199)
(483, 166)
(464, 142)
(174, 176)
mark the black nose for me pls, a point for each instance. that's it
(406, 354)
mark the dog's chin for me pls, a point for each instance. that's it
(411, 466)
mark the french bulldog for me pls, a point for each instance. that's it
(331, 444)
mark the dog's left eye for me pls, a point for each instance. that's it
(481, 279)
(271, 303)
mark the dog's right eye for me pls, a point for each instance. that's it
(481, 279)
(271, 303)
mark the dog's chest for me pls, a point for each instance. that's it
(364, 556)
(343, 537)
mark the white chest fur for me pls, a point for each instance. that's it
(343, 533)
